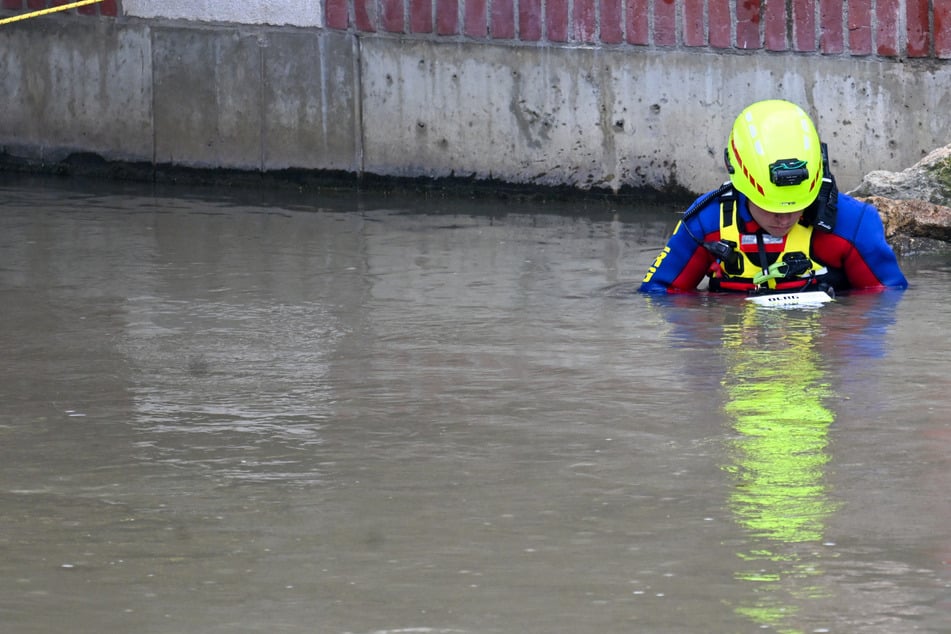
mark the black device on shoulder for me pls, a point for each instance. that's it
(823, 211)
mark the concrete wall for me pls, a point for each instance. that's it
(256, 96)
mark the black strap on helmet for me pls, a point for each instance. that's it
(822, 211)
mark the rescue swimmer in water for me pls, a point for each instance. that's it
(779, 224)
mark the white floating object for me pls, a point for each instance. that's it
(808, 298)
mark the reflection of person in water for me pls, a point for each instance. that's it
(777, 396)
(782, 373)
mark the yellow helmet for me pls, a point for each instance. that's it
(774, 156)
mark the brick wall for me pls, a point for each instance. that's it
(106, 7)
(886, 28)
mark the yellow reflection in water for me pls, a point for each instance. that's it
(776, 396)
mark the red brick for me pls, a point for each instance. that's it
(804, 25)
(747, 24)
(557, 13)
(612, 31)
(364, 17)
(391, 16)
(530, 20)
(58, 3)
(694, 28)
(503, 20)
(109, 8)
(12, 5)
(886, 36)
(918, 30)
(860, 27)
(831, 39)
(335, 14)
(637, 22)
(721, 31)
(475, 20)
(775, 28)
(584, 22)
(665, 23)
(447, 17)
(35, 5)
(420, 16)
(942, 28)
(88, 9)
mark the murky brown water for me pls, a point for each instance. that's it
(395, 415)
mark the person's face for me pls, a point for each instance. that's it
(777, 225)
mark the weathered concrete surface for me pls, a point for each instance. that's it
(259, 100)
(596, 118)
(70, 87)
(264, 98)
(590, 117)
(207, 98)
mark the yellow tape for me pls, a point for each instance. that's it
(36, 14)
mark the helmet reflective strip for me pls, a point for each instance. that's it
(746, 172)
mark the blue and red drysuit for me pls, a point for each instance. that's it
(854, 251)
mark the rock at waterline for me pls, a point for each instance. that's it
(913, 203)
(913, 225)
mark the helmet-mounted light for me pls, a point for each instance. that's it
(786, 172)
